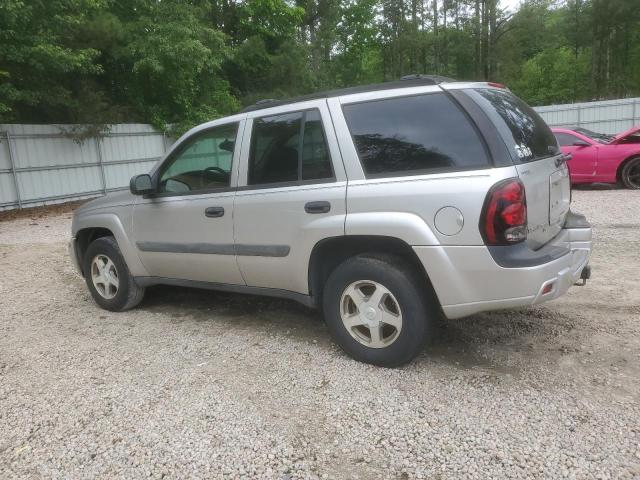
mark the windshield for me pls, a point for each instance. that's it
(524, 132)
(598, 137)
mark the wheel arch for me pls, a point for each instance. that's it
(330, 252)
(87, 228)
(623, 163)
(83, 239)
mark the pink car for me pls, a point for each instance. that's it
(602, 158)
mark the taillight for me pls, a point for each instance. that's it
(504, 215)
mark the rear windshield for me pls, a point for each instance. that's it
(414, 135)
(526, 134)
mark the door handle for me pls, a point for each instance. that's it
(317, 207)
(214, 212)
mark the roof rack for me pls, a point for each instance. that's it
(436, 79)
(416, 80)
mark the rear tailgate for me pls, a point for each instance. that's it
(547, 187)
(536, 156)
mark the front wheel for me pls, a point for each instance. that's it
(630, 174)
(378, 310)
(111, 284)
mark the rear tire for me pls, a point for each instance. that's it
(108, 278)
(630, 174)
(378, 310)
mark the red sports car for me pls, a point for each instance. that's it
(602, 158)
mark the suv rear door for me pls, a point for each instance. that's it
(291, 193)
(537, 157)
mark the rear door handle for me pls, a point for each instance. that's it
(214, 212)
(317, 207)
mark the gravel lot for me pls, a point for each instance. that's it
(210, 385)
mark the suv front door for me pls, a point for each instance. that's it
(291, 194)
(185, 230)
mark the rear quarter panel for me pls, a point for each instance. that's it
(406, 207)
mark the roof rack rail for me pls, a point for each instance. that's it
(436, 79)
(417, 80)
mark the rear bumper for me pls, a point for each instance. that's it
(472, 279)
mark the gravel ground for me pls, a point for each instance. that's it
(210, 385)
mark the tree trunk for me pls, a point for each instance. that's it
(492, 58)
(445, 46)
(485, 41)
(436, 46)
(478, 42)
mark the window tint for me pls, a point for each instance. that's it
(203, 163)
(565, 139)
(418, 133)
(287, 148)
(316, 163)
(526, 134)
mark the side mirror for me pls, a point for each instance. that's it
(580, 143)
(141, 184)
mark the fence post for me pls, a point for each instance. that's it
(101, 165)
(14, 174)
(579, 116)
(634, 104)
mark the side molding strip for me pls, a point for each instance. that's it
(216, 249)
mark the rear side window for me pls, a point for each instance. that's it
(525, 133)
(288, 148)
(414, 135)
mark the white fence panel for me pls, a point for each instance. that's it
(607, 116)
(42, 164)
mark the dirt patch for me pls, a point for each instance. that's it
(41, 211)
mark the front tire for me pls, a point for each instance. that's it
(378, 310)
(108, 278)
(630, 174)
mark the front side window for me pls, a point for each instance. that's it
(413, 135)
(203, 163)
(566, 139)
(288, 148)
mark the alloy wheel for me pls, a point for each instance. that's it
(371, 314)
(104, 276)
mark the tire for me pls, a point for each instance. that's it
(630, 174)
(399, 283)
(127, 294)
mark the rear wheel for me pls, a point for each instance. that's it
(377, 309)
(630, 174)
(111, 284)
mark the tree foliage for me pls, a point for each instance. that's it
(181, 62)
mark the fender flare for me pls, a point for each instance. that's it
(408, 227)
(112, 222)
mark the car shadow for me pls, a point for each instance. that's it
(598, 186)
(495, 340)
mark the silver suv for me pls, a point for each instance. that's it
(385, 206)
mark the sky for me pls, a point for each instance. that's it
(509, 4)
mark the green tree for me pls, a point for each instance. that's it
(46, 74)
